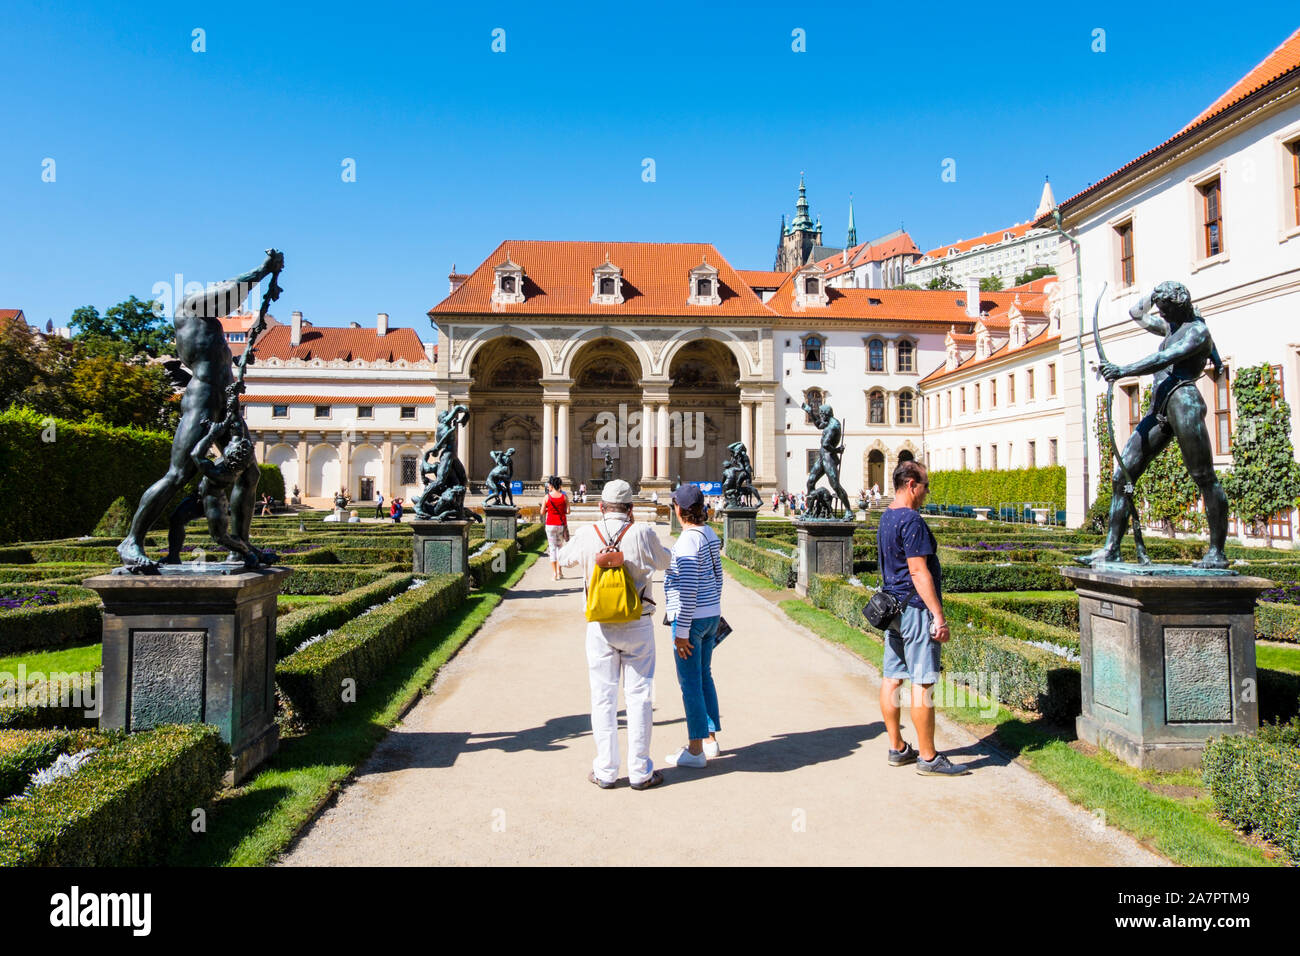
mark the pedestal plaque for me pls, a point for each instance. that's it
(500, 522)
(440, 547)
(1168, 661)
(739, 522)
(825, 547)
(191, 647)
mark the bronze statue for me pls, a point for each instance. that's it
(738, 477)
(829, 455)
(443, 498)
(1177, 412)
(607, 472)
(500, 477)
(211, 395)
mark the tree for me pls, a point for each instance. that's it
(1166, 494)
(1097, 519)
(137, 325)
(908, 285)
(991, 284)
(1265, 477)
(943, 280)
(1037, 272)
(108, 390)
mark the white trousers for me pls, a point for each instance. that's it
(627, 650)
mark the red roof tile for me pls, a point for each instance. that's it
(916, 305)
(1042, 338)
(320, 342)
(988, 239)
(865, 252)
(759, 279)
(558, 280)
(8, 315)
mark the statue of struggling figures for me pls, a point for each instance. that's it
(201, 347)
(830, 453)
(1177, 412)
(448, 472)
(738, 477)
(500, 477)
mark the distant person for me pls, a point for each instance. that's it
(909, 570)
(582, 492)
(379, 504)
(397, 511)
(693, 595)
(555, 507)
(625, 649)
(266, 506)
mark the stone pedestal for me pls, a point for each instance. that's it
(982, 514)
(500, 522)
(825, 547)
(441, 547)
(192, 647)
(1168, 660)
(739, 522)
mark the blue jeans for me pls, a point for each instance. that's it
(695, 677)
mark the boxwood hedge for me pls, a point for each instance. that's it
(75, 619)
(1255, 782)
(756, 556)
(296, 627)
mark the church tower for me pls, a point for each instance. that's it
(795, 247)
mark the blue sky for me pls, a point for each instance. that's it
(172, 161)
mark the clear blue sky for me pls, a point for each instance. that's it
(169, 161)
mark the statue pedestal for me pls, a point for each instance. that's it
(440, 547)
(1167, 662)
(825, 547)
(182, 648)
(500, 522)
(739, 522)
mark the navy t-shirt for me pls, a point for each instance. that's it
(904, 534)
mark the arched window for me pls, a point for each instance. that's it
(905, 408)
(905, 356)
(875, 356)
(812, 353)
(813, 399)
(607, 285)
(876, 408)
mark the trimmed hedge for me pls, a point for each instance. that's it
(23, 752)
(481, 570)
(1255, 782)
(1277, 622)
(76, 619)
(126, 806)
(33, 710)
(530, 537)
(991, 488)
(334, 579)
(296, 627)
(777, 569)
(362, 649)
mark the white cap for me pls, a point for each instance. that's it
(617, 492)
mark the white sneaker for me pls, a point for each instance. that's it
(684, 758)
(712, 748)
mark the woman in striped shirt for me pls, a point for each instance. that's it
(693, 587)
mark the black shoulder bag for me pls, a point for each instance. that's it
(883, 610)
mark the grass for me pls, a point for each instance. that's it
(1278, 658)
(67, 660)
(1184, 829)
(747, 577)
(250, 825)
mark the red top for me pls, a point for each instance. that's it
(557, 508)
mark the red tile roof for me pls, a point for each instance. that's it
(1281, 63)
(9, 315)
(759, 279)
(558, 280)
(865, 252)
(1043, 337)
(320, 342)
(306, 399)
(243, 321)
(988, 239)
(915, 305)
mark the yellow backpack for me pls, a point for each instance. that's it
(612, 598)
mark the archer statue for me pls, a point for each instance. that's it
(1177, 412)
(829, 455)
(210, 415)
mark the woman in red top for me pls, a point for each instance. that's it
(556, 509)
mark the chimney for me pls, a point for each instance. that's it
(381, 324)
(295, 333)
(455, 279)
(973, 297)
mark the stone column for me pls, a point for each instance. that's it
(386, 468)
(345, 464)
(661, 441)
(647, 441)
(562, 433)
(746, 426)
(301, 480)
(548, 440)
(463, 444)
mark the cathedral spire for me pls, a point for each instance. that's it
(1048, 202)
(852, 239)
(801, 218)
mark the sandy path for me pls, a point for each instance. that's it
(491, 768)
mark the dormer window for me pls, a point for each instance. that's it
(508, 287)
(809, 290)
(704, 286)
(607, 284)
(811, 286)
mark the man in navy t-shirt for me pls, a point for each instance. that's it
(909, 570)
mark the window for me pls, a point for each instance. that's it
(875, 356)
(963, 399)
(365, 411)
(704, 288)
(1051, 451)
(279, 411)
(876, 406)
(978, 458)
(963, 459)
(993, 393)
(993, 457)
(1134, 407)
(810, 286)
(1212, 218)
(1223, 412)
(948, 410)
(1011, 389)
(977, 397)
(1029, 384)
(1294, 149)
(1051, 378)
(813, 399)
(1127, 272)
(409, 471)
(812, 354)
(906, 352)
(607, 285)
(904, 408)
(1031, 455)
(408, 411)
(322, 411)
(508, 284)
(811, 457)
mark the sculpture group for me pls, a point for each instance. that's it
(821, 501)
(443, 498)
(738, 478)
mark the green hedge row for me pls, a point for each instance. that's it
(976, 577)
(362, 649)
(44, 705)
(126, 806)
(488, 565)
(76, 619)
(1255, 782)
(991, 488)
(23, 752)
(531, 537)
(333, 579)
(755, 556)
(296, 627)
(1277, 622)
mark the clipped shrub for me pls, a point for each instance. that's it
(988, 489)
(1277, 622)
(75, 619)
(483, 568)
(531, 537)
(777, 568)
(270, 481)
(298, 626)
(126, 806)
(23, 752)
(1254, 781)
(332, 579)
(116, 521)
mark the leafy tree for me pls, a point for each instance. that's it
(135, 324)
(1265, 477)
(1037, 272)
(991, 284)
(908, 285)
(1166, 494)
(18, 361)
(943, 280)
(1097, 520)
(119, 393)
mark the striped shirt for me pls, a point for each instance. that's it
(693, 584)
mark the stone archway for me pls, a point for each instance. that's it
(704, 409)
(875, 471)
(606, 392)
(323, 479)
(506, 388)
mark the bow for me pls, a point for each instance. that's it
(1129, 486)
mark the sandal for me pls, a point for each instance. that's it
(591, 777)
(653, 780)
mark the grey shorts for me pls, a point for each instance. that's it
(910, 652)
